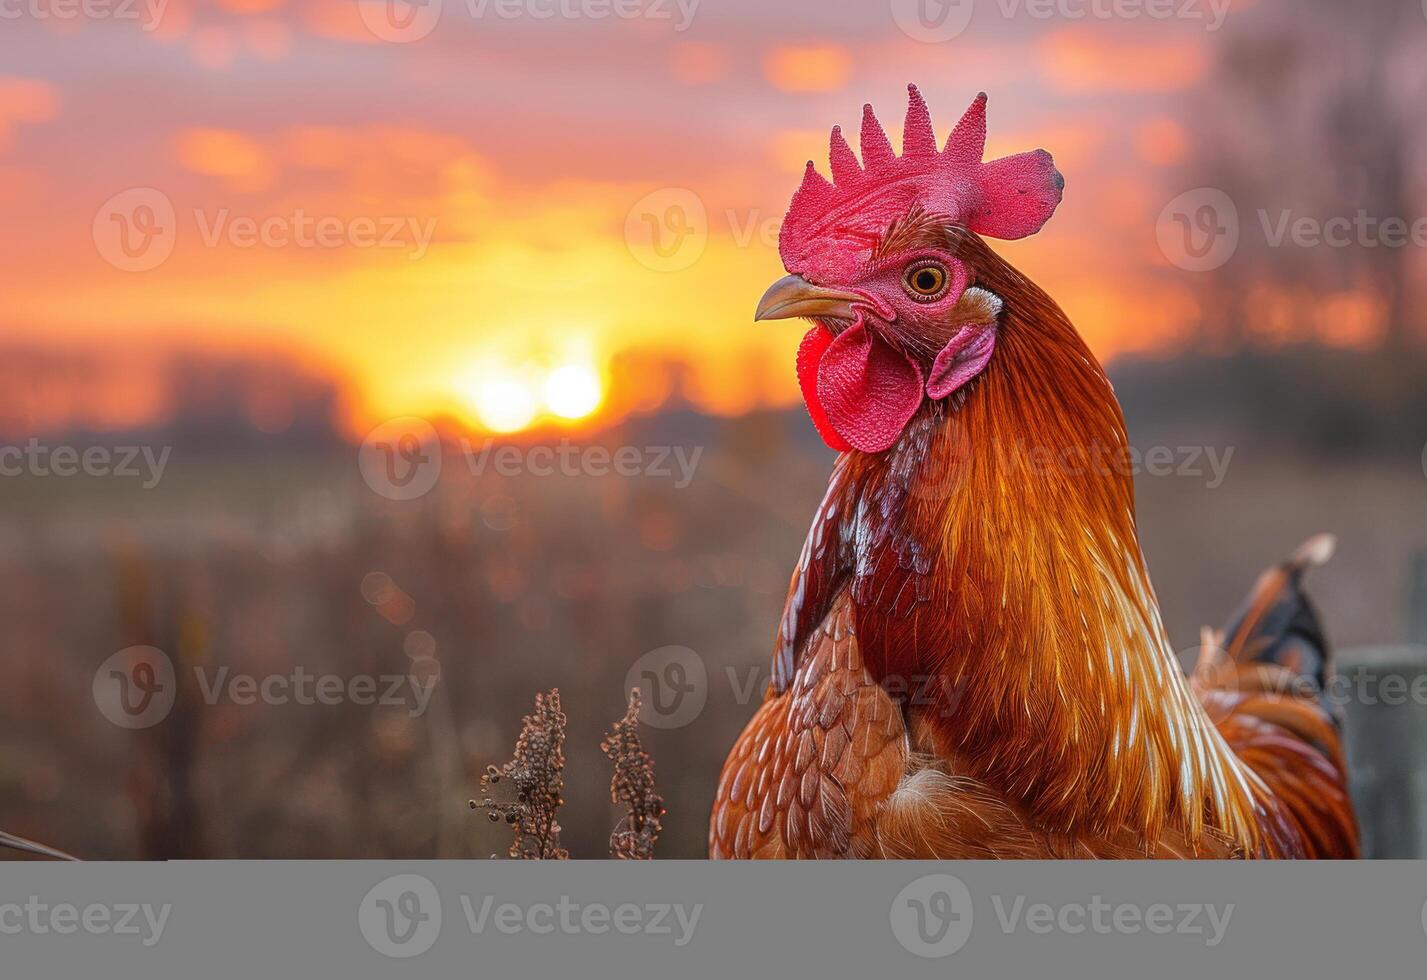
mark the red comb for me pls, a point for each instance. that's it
(829, 223)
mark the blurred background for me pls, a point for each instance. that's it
(414, 341)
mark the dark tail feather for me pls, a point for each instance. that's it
(1277, 623)
(30, 847)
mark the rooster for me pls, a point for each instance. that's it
(971, 661)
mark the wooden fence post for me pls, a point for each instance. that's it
(1417, 599)
(1384, 693)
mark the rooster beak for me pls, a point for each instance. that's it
(794, 296)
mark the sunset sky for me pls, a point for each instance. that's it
(512, 163)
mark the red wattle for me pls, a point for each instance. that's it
(868, 389)
(815, 342)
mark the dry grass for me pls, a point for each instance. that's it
(632, 784)
(536, 774)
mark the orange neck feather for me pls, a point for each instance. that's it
(1056, 680)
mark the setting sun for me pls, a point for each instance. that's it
(504, 405)
(572, 391)
(505, 398)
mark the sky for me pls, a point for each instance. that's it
(445, 204)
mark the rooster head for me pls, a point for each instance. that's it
(872, 260)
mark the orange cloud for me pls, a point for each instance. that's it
(698, 62)
(1080, 60)
(792, 149)
(174, 24)
(340, 20)
(808, 68)
(317, 147)
(250, 6)
(268, 38)
(18, 185)
(1161, 141)
(24, 100)
(213, 48)
(1074, 145)
(226, 154)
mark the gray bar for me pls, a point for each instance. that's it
(691, 919)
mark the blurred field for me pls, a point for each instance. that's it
(264, 561)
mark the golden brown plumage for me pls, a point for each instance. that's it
(971, 661)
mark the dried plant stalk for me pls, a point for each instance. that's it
(537, 775)
(637, 832)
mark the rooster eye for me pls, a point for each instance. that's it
(925, 281)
